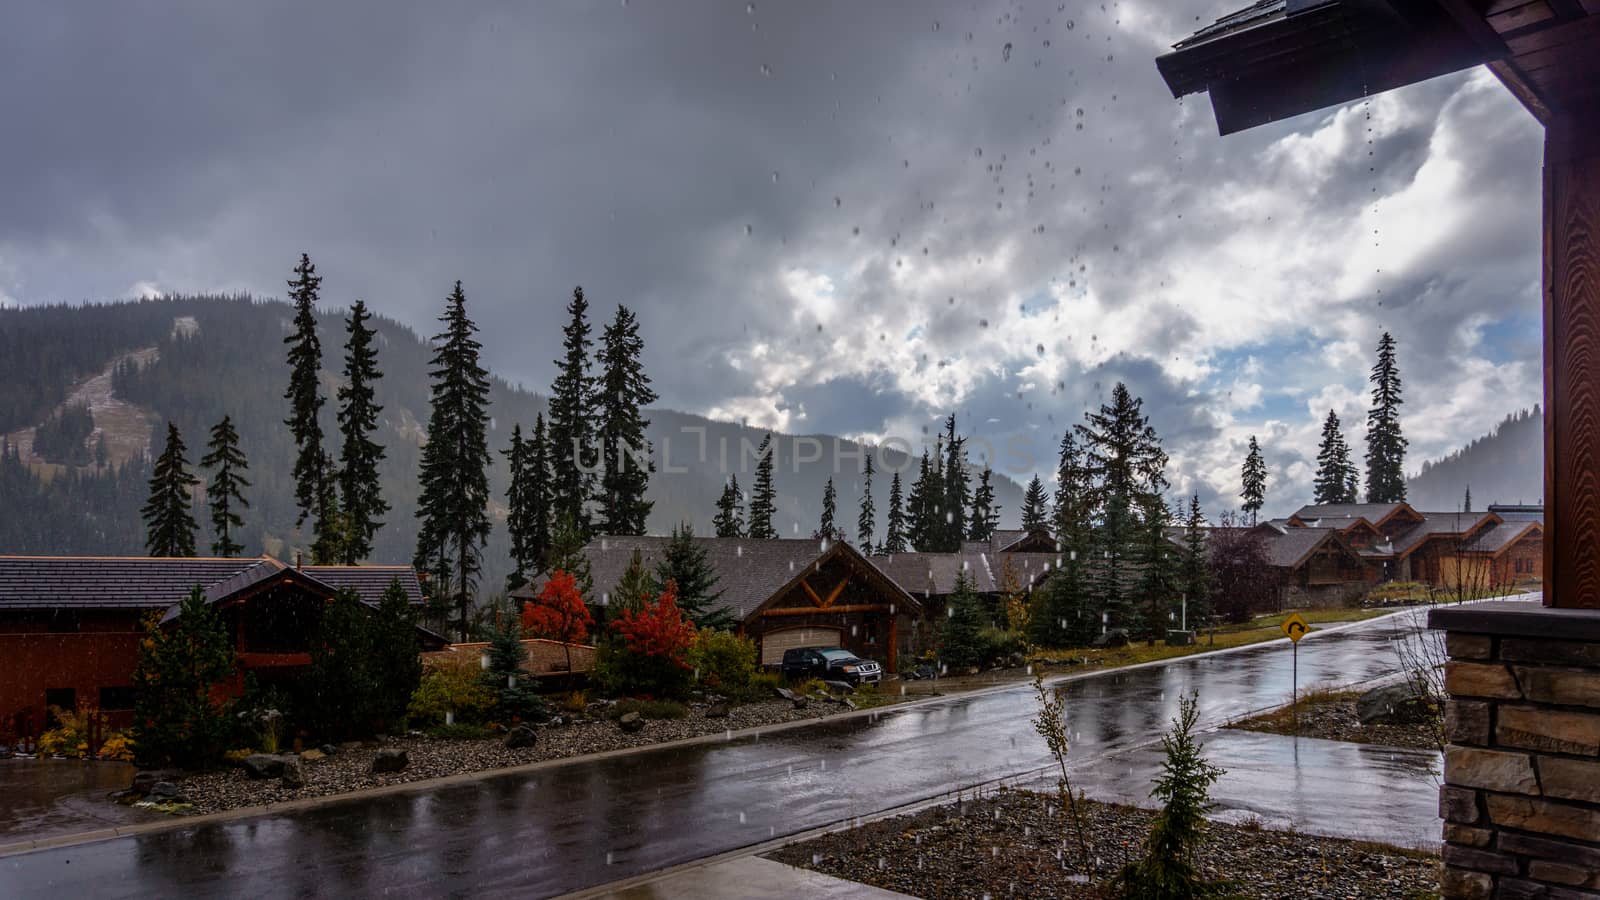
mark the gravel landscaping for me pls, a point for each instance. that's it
(350, 769)
(1020, 844)
(1332, 716)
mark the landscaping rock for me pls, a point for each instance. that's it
(262, 765)
(294, 773)
(784, 693)
(519, 737)
(329, 750)
(144, 781)
(843, 687)
(389, 760)
(718, 710)
(311, 755)
(164, 792)
(631, 722)
(799, 702)
(1391, 704)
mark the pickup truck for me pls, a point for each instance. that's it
(830, 664)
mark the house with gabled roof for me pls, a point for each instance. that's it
(1450, 550)
(70, 626)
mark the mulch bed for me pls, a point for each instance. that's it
(350, 770)
(1021, 844)
(1333, 717)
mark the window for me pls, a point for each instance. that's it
(58, 698)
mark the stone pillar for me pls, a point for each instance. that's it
(1521, 798)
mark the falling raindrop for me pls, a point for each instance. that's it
(1005, 52)
(766, 70)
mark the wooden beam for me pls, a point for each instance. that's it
(834, 594)
(813, 611)
(1572, 360)
(1512, 77)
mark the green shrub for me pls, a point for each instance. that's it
(999, 643)
(763, 685)
(1167, 871)
(449, 688)
(177, 720)
(725, 661)
(648, 709)
(461, 731)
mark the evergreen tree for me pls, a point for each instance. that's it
(1160, 574)
(176, 717)
(763, 497)
(1034, 515)
(1196, 573)
(864, 519)
(1466, 502)
(729, 521)
(360, 488)
(519, 522)
(513, 690)
(537, 496)
(952, 526)
(1336, 474)
(225, 461)
(1167, 870)
(1126, 466)
(985, 513)
(341, 682)
(169, 525)
(960, 640)
(572, 415)
(1071, 520)
(396, 664)
(567, 554)
(894, 540)
(825, 528)
(454, 501)
(1254, 478)
(925, 524)
(1386, 447)
(684, 563)
(624, 391)
(636, 587)
(312, 463)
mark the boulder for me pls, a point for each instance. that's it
(631, 722)
(144, 781)
(1391, 704)
(294, 773)
(801, 702)
(843, 687)
(718, 710)
(784, 693)
(519, 737)
(262, 765)
(389, 759)
(311, 755)
(329, 750)
(164, 792)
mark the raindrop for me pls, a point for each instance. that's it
(1005, 53)
(983, 323)
(749, 9)
(936, 25)
(774, 176)
(836, 202)
(749, 230)
(766, 70)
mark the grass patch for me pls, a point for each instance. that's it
(1256, 631)
(648, 709)
(460, 731)
(868, 696)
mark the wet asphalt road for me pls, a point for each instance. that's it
(591, 822)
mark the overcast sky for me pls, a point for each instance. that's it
(845, 218)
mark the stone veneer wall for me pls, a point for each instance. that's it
(1521, 799)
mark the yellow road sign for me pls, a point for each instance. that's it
(1295, 627)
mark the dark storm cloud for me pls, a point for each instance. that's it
(789, 195)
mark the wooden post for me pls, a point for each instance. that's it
(1572, 360)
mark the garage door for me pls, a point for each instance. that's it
(773, 643)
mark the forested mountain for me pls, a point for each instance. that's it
(1504, 466)
(133, 366)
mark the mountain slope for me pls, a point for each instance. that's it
(192, 360)
(1504, 466)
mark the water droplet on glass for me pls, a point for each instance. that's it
(1005, 52)
(766, 70)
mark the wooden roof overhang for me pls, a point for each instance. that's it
(857, 565)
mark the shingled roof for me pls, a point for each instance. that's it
(125, 582)
(1372, 512)
(1496, 539)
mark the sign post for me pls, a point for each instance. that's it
(1295, 628)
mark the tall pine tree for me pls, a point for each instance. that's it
(763, 497)
(1127, 469)
(985, 513)
(624, 392)
(572, 415)
(865, 526)
(1336, 474)
(360, 486)
(540, 518)
(894, 538)
(826, 529)
(952, 526)
(519, 516)
(314, 485)
(225, 461)
(454, 503)
(1160, 573)
(729, 521)
(1196, 575)
(169, 525)
(1253, 477)
(1386, 447)
(684, 562)
(1035, 517)
(1071, 519)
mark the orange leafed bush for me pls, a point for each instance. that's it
(658, 629)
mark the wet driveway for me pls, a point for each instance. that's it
(595, 821)
(44, 797)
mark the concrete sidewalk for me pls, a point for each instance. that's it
(745, 878)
